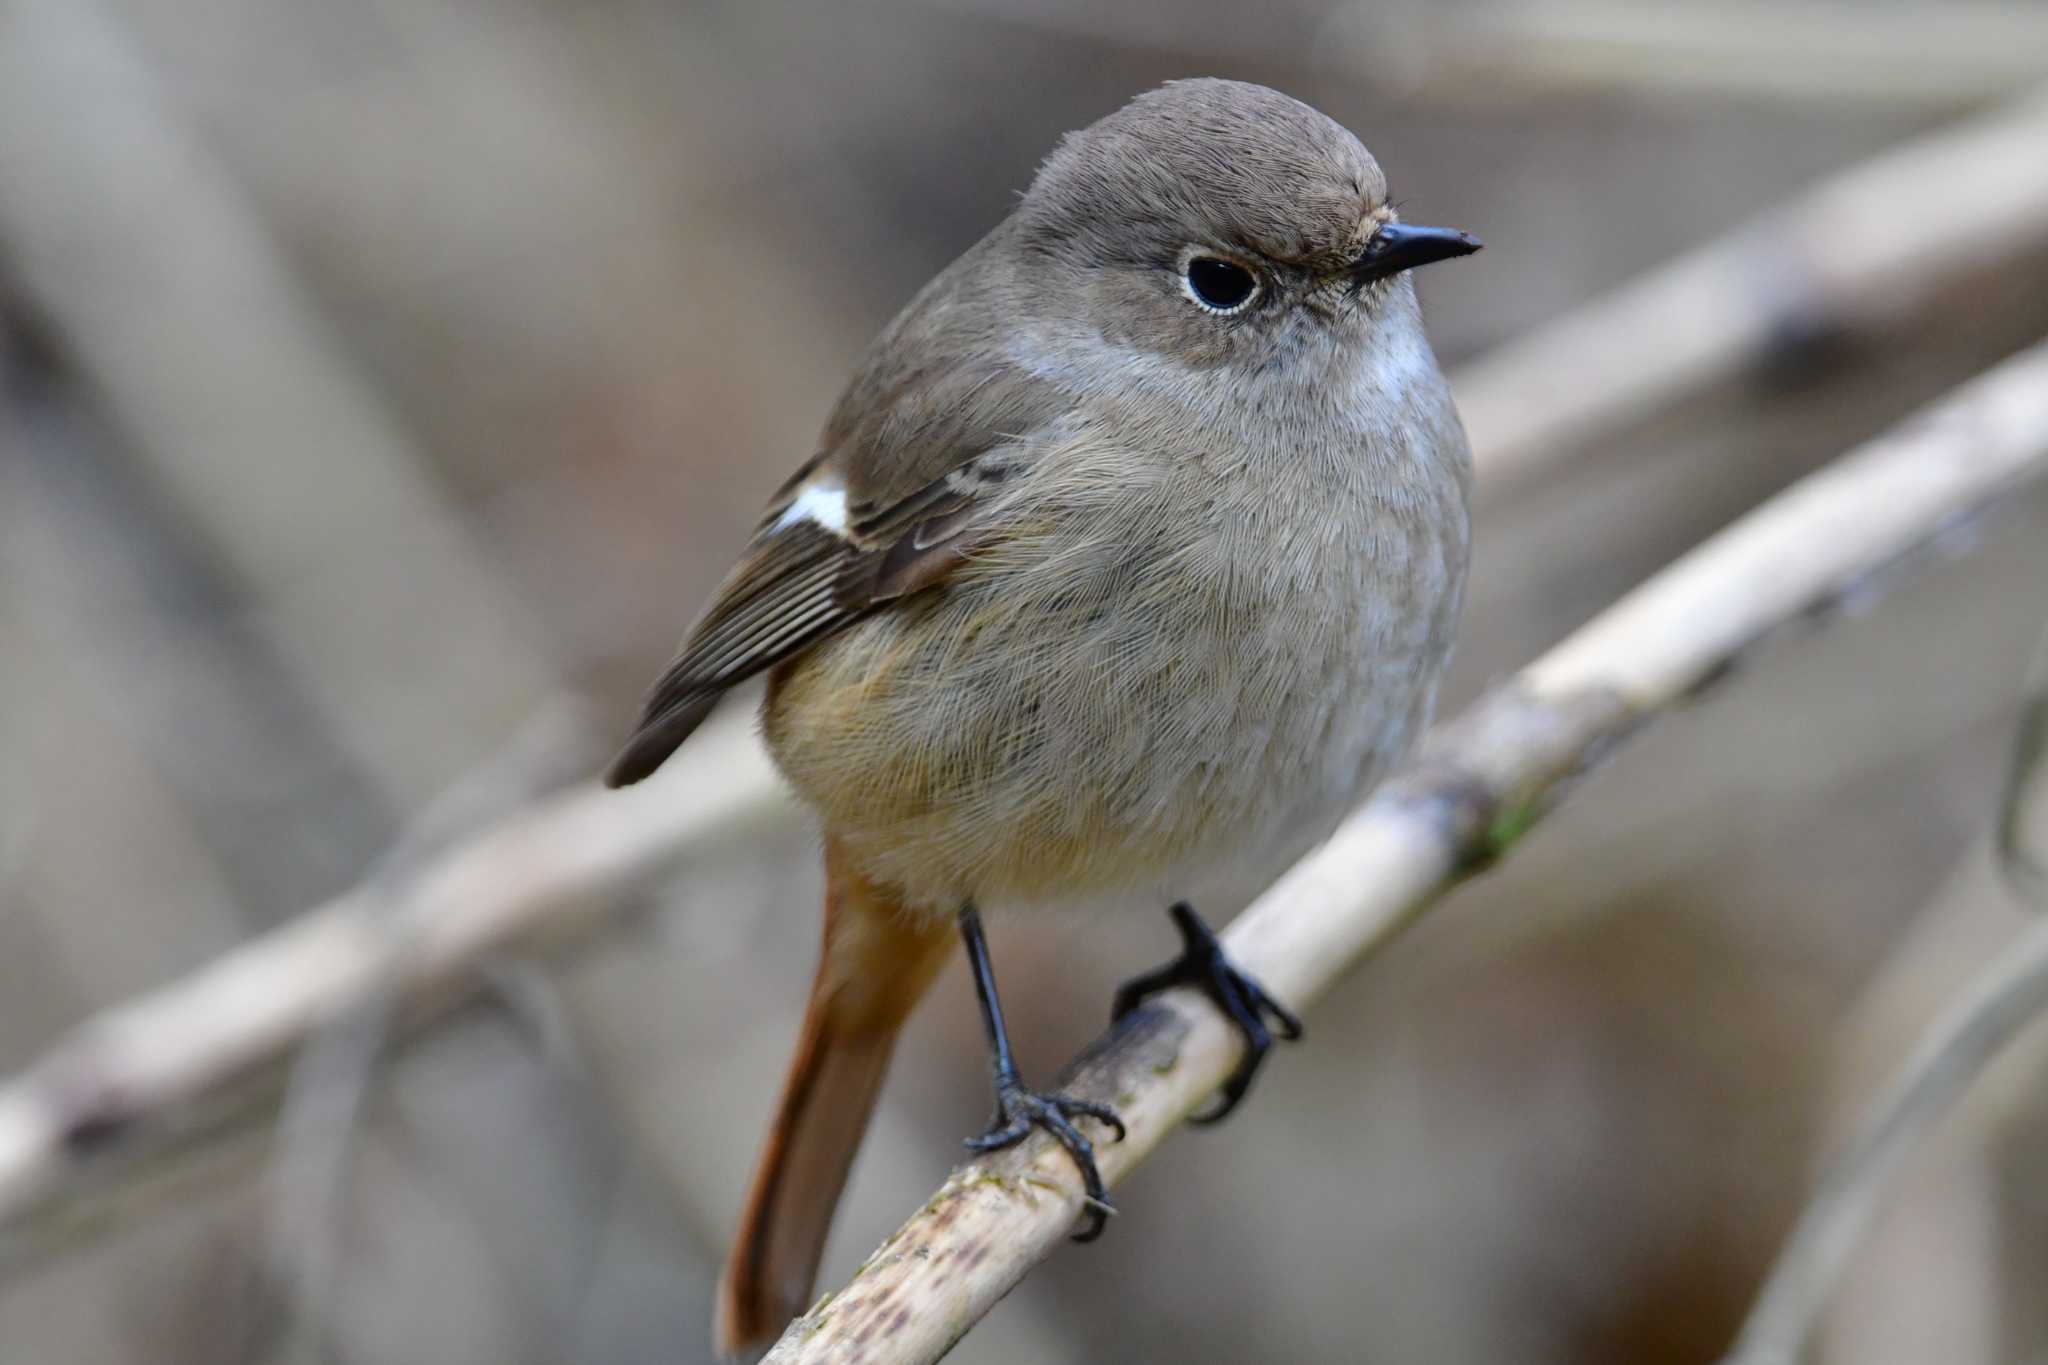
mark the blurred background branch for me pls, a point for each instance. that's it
(542, 872)
(1809, 52)
(173, 298)
(1981, 1021)
(2022, 834)
(2012, 993)
(1845, 259)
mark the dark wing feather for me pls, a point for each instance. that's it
(795, 585)
(936, 418)
(780, 597)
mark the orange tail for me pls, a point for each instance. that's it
(877, 962)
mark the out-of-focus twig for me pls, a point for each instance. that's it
(332, 1077)
(170, 295)
(2022, 836)
(2010, 994)
(1955, 55)
(544, 871)
(1479, 783)
(1958, 55)
(1865, 251)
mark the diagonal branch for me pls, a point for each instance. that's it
(1838, 261)
(545, 871)
(2007, 996)
(1478, 785)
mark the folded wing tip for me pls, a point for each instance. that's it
(660, 733)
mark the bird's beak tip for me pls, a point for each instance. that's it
(1399, 246)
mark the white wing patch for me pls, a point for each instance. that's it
(823, 503)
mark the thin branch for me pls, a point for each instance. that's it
(1478, 785)
(546, 871)
(2008, 996)
(327, 1096)
(2021, 839)
(1808, 52)
(178, 305)
(1839, 261)
(1960, 54)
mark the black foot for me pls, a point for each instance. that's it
(1018, 1111)
(1203, 966)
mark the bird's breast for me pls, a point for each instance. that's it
(1144, 676)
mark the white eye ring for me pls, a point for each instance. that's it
(1217, 284)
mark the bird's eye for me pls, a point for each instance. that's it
(1218, 285)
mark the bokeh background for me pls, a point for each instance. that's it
(385, 384)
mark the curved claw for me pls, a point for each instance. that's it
(1018, 1111)
(1203, 965)
(995, 1139)
(1101, 1113)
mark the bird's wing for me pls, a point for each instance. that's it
(887, 511)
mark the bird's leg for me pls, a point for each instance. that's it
(1019, 1109)
(1202, 965)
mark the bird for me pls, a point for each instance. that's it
(1131, 555)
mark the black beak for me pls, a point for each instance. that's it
(1397, 247)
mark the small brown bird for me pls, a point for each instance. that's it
(1132, 552)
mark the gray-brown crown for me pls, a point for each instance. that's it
(1225, 162)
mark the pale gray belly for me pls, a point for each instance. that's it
(1084, 714)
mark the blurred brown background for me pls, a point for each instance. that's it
(386, 383)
